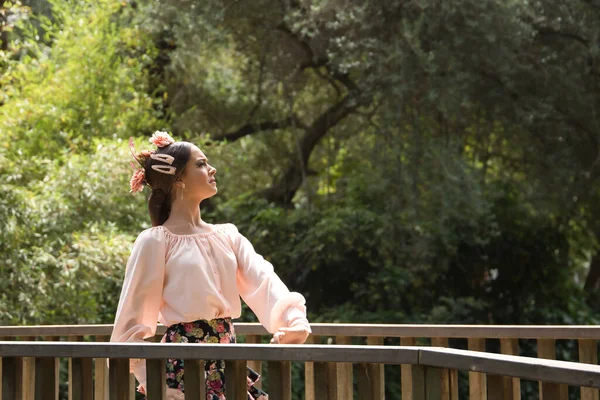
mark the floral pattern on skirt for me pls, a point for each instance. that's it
(218, 330)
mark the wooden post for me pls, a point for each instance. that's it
(322, 382)
(449, 378)
(512, 386)
(121, 387)
(25, 375)
(370, 378)
(81, 385)
(426, 383)
(309, 373)
(25, 378)
(588, 353)
(9, 378)
(81, 380)
(505, 387)
(477, 381)
(256, 365)
(280, 380)
(156, 379)
(546, 348)
(235, 380)
(101, 374)
(407, 372)
(195, 379)
(344, 373)
(46, 378)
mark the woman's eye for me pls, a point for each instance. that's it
(201, 164)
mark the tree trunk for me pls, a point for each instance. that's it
(593, 278)
(282, 192)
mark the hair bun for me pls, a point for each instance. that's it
(159, 194)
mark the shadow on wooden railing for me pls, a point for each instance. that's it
(330, 370)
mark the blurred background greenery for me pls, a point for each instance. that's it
(399, 161)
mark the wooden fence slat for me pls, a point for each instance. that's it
(195, 380)
(376, 373)
(434, 383)
(588, 353)
(426, 383)
(546, 348)
(101, 374)
(477, 381)
(512, 386)
(81, 379)
(505, 387)
(344, 376)
(256, 365)
(121, 387)
(25, 378)
(156, 379)
(449, 377)
(9, 378)
(322, 382)
(309, 373)
(235, 380)
(406, 372)
(46, 378)
(280, 380)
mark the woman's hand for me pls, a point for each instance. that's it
(292, 335)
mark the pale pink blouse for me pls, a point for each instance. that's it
(175, 278)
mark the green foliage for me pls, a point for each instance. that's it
(459, 185)
(73, 85)
(85, 78)
(64, 242)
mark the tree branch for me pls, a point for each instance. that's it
(282, 192)
(252, 128)
(548, 31)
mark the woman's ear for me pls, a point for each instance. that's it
(179, 184)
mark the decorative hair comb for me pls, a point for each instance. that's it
(138, 179)
(165, 169)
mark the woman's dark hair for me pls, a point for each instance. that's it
(159, 202)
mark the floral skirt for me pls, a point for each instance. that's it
(207, 331)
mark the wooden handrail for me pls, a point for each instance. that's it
(564, 372)
(202, 351)
(362, 330)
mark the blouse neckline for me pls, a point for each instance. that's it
(218, 229)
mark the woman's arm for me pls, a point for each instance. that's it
(141, 295)
(280, 311)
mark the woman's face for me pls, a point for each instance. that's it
(199, 177)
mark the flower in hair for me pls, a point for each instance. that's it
(136, 183)
(140, 157)
(161, 139)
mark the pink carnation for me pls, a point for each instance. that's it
(224, 339)
(161, 139)
(137, 181)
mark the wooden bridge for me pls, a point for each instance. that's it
(342, 362)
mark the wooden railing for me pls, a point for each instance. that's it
(335, 376)
(430, 367)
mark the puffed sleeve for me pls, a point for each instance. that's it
(141, 295)
(265, 293)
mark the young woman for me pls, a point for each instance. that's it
(189, 274)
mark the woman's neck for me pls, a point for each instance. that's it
(185, 218)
